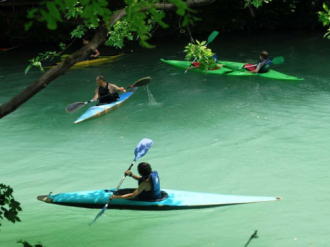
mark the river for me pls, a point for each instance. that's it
(216, 134)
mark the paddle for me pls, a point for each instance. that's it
(254, 235)
(212, 36)
(140, 150)
(77, 105)
(276, 60)
(8, 49)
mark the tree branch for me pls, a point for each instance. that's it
(99, 39)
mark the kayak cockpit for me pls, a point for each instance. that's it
(164, 195)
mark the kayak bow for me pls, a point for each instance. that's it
(171, 200)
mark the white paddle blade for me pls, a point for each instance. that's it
(142, 148)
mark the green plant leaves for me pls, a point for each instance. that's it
(142, 17)
(9, 207)
(201, 54)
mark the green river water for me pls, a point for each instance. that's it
(217, 134)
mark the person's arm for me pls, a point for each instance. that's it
(97, 53)
(129, 173)
(258, 67)
(96, 96)
(132, 195)
(113, 86)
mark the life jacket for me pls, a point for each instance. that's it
(155, 192)
(109, 97)
(265, 68)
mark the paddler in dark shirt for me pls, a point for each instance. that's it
(107, 92)
(149, 184)
(95, 54)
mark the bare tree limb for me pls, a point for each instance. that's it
(98, 39)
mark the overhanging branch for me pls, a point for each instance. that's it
(99, 39)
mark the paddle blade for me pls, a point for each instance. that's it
(74, 106)
(142, 82)
(99, 215)
(212, 36)
(142, 148)
(278, 60)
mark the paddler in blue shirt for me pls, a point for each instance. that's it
(262, 66)
(149, 184)
(106, 92)
(95, 54)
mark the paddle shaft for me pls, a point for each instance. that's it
(276, 60)
(122, 180)
(254, 235)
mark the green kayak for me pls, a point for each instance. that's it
(272, 74)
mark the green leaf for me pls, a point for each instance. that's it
(85, 2)
(70, 3)
(28, 25)
(61, 5)
(31, 13)
(88, 12)
(54, 11)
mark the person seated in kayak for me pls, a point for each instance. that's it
(106, 92)
(149, 184)
(95, 53)
(213, 66)
(262, 66)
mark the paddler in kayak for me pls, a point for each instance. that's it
(106, 92)
(149, 184)
(262, 66)
(95, 54)
(213, 66)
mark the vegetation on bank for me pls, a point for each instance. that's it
(222, 15)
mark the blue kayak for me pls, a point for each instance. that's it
(171, 200)
(97, 111)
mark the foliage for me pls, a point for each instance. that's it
(36, 62)
(256, 3)
(90, 13)
(201, 54)
(9, 208)
(324, 17)
(93, 12)
(78, 32)
(121, 30)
